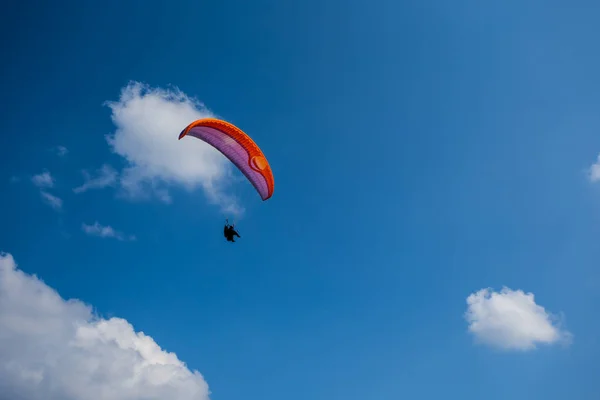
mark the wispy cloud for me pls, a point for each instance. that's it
(43, 180)
(61, 151)
(511, 320)
(53, 348)
(51, 200)
(148, 121)
(105, 176)
(105, 232)
(46, 181)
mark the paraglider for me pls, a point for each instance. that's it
(241, 150)
(229, 232)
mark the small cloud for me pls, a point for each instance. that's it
(511, 320)
(46, 181)
(51, 200)
(54, 348)
(61, 151)
(14, 179)
(105, 232)
(594, 171)
(105, 176)
(43, 180)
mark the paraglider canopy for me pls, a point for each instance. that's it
(239, 148)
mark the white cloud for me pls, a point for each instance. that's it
(56, 349)
(105, 232)
(148, 122)
(51, 200)
(61, 151)
(105, 176)
(511, 320)
(594, 171)
(43, 180)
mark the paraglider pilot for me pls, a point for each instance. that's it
(229, 232)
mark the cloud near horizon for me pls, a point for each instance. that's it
(57, 349)
(148, 121)
(511, 320)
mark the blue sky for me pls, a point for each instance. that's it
(422, 152)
